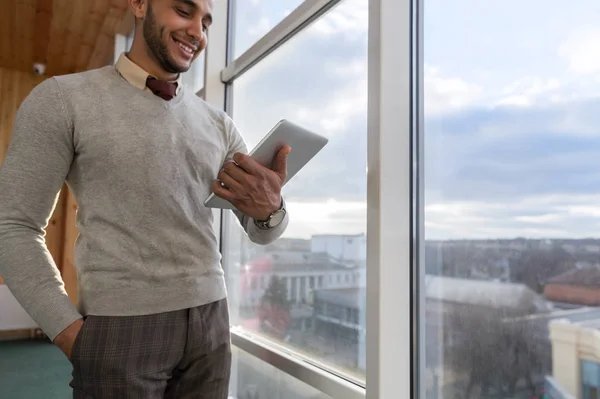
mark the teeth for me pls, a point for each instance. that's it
(186, 48)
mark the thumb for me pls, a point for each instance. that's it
(280, 162)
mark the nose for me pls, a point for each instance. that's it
(196, 32)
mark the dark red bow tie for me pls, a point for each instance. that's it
(161, 88)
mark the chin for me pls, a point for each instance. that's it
(178, 66)
(184, 67)
(180, 55)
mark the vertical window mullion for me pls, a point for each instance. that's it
(390, 200)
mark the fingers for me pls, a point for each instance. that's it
(280, 162)
(222, 192)
(235, 171)
(229, 181)
(247, 163)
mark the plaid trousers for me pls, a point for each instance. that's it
(180, 354)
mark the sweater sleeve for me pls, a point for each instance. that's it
(34, 169)
(255, 233)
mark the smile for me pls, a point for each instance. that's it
(188, 49)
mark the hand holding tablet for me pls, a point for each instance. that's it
(304, 146)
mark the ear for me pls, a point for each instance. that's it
(138, 8)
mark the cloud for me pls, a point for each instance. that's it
(530, 90)
(254, 18)
(507, 153)
(448, 95)
(509, 171)
(335, 113)
(346, 19)
(581, 51)
(444, 94)
(329, 216)
(259, 29)
(320, 83)
(535, 216)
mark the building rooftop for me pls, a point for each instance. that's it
(484, 293)
(456, 290)
(578, 277)
(349, 297)
(339, 235)
(594, 324)
(282, 262)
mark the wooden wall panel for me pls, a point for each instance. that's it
(43, 21)
(25, 16)
(5, 35)
(67, 35)
(14, 87)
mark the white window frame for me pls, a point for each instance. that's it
(394, 225)
(302, 16)
(392, 323)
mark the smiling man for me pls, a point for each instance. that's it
(140, 153)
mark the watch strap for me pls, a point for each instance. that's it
(264, 224)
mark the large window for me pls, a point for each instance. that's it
(307, 290)
(511, 189)
(254, 18)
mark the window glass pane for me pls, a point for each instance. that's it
(254, 379)
(316, 271)
(590, 373)
(511, 192)
(194, 77)
(254, 18)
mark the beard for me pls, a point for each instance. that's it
(156, 44)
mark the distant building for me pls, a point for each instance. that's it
(450, 302)
(577, 286)
(575, 360)
(301, 272)
(339, 313)
(289, 244)
(352, 248)
(339, 318)
(460, 293)
(540, 322)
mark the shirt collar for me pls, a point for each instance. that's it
(137, 76)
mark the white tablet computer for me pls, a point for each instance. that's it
(304, 144)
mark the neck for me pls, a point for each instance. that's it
(140, 55)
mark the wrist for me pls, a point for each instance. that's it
(273, 219)
(270, 212)
(68, 334)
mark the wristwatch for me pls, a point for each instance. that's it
(274, 218)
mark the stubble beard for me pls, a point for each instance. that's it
(156, 46)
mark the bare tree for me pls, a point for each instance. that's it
(535, 266)
(495, 352)
(274, 309)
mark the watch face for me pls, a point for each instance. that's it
(276, 218)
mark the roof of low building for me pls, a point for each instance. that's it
(462, 291)
(589, 277)
(485, 293)
(349, 297)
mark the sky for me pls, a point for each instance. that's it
(512, 137)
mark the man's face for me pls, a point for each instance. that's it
(175, 31)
